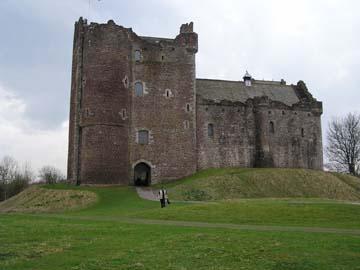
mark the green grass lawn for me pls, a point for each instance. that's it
(96, 237)
(220, 184)
(123, 202)
(51, 243)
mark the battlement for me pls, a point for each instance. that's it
(187, 28)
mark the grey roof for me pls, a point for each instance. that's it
(218, 90)
(156, 39)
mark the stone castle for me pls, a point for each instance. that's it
(139, 115)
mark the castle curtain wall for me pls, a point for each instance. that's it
(233, 141)
(262, 124)
(296, 141)
(258, 134)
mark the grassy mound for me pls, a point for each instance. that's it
(225, 184)
(40, 200)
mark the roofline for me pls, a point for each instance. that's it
(218, 80)
(157, 38)
(240, 81)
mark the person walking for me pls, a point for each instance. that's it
(162, 195)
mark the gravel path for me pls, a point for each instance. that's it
(204, 224)
(147, 193)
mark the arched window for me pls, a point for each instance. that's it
(139, 89)
(272, 127)
(167, 93)
(123, 114)
(210, 130)
(137, 56)
(143, 137)
(302, 132)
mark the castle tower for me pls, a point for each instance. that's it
(163, 110)
(132, 110)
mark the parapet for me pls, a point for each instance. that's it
(188, 37)
(187, 28)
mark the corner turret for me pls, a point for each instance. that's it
(188, 38)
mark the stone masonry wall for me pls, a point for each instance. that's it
(103, 131)
(167, 108)
(296, 141)
(260, 133)
(233, 142)
(106, 115)
(76, 89)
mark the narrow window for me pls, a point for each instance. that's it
(143, 137)
(272, 127)
(123, 114)
(188, 107)
(139, 89)
(302, 132)
(210, 130)
(167, 93)
(269, 112)
(186, 124)
(137, 56)
(283, 112)
(162, 58)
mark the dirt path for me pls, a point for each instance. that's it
(240, 227)
(204, 224)
(146, 193)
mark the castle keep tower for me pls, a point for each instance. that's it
(131, 98)
(139, 115)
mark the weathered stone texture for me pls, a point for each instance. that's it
(255, 130)
(166, 65)
(265, 124)
(233, 143)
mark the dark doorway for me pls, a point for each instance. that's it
(142, 174)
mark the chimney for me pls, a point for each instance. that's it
(247, 79)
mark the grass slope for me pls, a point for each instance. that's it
(224, 184)
(29, 243)
(36, 199)
(92, 238)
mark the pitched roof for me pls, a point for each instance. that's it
(218, 90)
(156, 39)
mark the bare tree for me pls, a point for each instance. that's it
(8, 169)
(343, 147)
(8, 172)
(50, 175)
(27, 173)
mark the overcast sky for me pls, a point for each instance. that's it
(315, 41)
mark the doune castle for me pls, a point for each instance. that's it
(139, 115)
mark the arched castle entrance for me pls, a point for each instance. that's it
(142, 174)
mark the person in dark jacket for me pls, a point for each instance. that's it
(162, 196)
